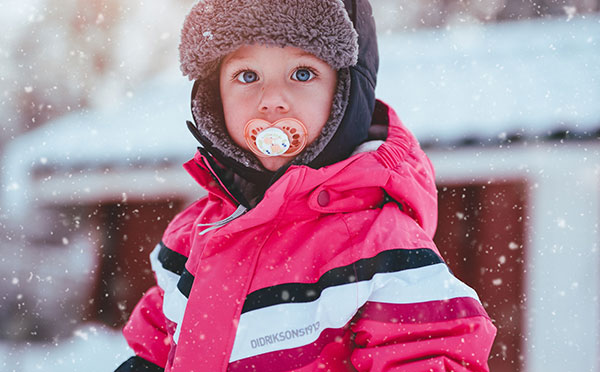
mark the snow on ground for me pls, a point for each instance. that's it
(92, 348)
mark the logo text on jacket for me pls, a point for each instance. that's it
(284, 335)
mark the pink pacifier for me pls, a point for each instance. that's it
(285, 137)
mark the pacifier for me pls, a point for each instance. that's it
(284, 137)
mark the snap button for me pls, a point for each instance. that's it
(323, 198)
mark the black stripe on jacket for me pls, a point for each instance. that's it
(362, 270)
(185, 283)
(171, 260)
(138, 364)
(175, 263)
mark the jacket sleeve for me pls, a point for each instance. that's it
(445, 330)
(146, 333)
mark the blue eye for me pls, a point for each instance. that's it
(303, 74)
(247, 77)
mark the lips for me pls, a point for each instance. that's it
(285, 137)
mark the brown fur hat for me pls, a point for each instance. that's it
(215, 28)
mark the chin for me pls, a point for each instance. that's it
(274, 163)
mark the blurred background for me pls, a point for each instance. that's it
(504, 95)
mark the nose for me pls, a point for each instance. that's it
(273, 99)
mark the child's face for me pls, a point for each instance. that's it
(271, 83)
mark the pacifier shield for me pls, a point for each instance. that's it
(285, 137)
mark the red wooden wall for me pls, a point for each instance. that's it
(481, 234)
(132, 230)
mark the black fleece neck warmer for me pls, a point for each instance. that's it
(345, 39)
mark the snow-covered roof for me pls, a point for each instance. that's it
(146, 130)
(529, 78)
(146, 127)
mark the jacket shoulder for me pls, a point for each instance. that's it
(177, 234)
(412, 175)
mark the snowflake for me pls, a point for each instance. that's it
(570, 11)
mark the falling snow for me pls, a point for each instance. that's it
(208, 35)
(82, 117)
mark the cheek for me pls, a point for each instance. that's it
(321, 104)
(229, 108)
(234, 118)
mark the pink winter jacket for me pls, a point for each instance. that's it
(334, 270)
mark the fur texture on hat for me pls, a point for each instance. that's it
(215, 28)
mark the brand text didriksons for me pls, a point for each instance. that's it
(284, 335)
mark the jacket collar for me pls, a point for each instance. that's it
(397, 167)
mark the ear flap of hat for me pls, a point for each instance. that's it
(354, 126)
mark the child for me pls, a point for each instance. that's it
(313, 249)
